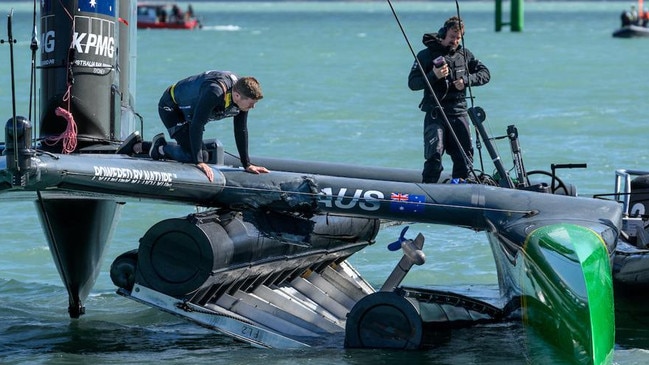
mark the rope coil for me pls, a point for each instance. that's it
(69, 136)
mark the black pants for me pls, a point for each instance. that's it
(173, 120)
(438, 139)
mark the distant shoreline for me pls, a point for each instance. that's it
(339, 1)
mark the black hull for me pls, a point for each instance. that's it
(78, 231)
(631, 31)
(530, 232)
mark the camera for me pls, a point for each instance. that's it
(439, 61)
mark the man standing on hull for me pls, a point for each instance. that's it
(450, 69)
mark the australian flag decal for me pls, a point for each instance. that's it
(106, 7)
(407, 203)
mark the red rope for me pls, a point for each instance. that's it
(69, 136)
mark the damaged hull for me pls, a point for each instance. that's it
(535, 244)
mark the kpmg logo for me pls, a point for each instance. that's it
(93, 33)
(47, 40)
(94, 36)
(94, 44)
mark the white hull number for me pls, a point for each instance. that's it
(369, 200)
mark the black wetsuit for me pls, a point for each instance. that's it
(188, 105)
(453, 101)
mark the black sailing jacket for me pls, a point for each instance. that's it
(452, 100)
(206, 97)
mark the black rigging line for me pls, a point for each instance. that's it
(466, 64)
(32, 83)
(478, 143)
(11, 41)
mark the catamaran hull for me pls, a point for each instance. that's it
(506, 214)
(631, 269)
(78, 232)
(562, 283)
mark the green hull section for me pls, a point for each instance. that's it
(568, 295)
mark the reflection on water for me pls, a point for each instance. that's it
(115, 329)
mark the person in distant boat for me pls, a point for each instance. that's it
(450, 69)
(634, 15)
(626, 18)
(188, 105)
(630, 17)
(176, 14)
(161, 14)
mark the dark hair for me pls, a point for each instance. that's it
(248, 87)
(451, 23)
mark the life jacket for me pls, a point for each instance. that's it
(231, 109)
